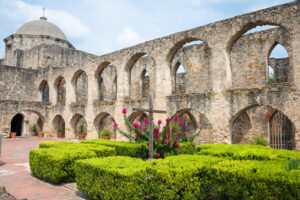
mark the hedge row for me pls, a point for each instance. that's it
(56, 165)
(246, 152)
(122, 148)
(100, 150)
(186, 177)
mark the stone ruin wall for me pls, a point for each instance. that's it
(224, 75)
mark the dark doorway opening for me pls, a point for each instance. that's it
(16, 124)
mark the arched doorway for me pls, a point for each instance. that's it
(282, 132)
(17, 124)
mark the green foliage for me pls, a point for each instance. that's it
(186, 177)
(271, 80)
(122, 148)
(112, 178)
(81, 130)
(60, 130)
(34, 128)
(105, 132)
(292, 165)
(56, 165)
(246, 152)
(100, 150)
(259, 140)
(187, 148)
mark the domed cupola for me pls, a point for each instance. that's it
(41, 27)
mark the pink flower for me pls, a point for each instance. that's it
(159, 121)
(175, 140)
(169, 140)
(177, 144)
(176, 118)
(146, 121)
(137, 137)
(124, 111)
(176, 136)
(186, 137)
(168, 119)
(181, 124)
(115, 125)
(157, 154)
(157, 135)
(201, 127)
(135, 124)
(165, 141)
(144, 129)
(179, 151)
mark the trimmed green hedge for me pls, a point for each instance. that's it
(122, 148)
(186, 177)
(188, 148)
(100, 150)
(56, 165)
(246, 152)
(112, 178)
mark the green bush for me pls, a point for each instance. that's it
(100, 150)
(259, 140)
(56, 165)
(246, 152)
(112, 178)
(122, 148)
(187, 148)
(186, 177)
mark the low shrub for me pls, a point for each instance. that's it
(259, 140)
(246, 152)
(122, 148)
(187, 148)
(56, 165)
(186, 177)
(100, 150)
(112, 178)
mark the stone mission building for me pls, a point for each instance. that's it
(214, 76)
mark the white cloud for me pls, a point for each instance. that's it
(69, 24)
(128, 38)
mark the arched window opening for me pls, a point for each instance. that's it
(107, 81)
(81, 88)
(78, 121)
(240, 128)
(105, 121)
(17, 124)
(44, 89)
(145, 83)
(279, 63)
(59, 123)
(61, 91)
(282, 132)
(189, 44)
(260, 28)
(115, 88)
(180, 82)
(190, 126)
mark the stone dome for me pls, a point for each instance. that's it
(41, 27)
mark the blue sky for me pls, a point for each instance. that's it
(102, 26)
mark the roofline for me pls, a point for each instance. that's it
(37, 36)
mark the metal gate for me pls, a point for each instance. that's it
(282, 132)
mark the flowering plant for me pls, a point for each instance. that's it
(166, 140)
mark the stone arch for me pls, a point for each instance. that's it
(44, 90)
(76, 121)
(235, 36)
(138, 116)
(252, 71)
(281, 66)
(105, 121)
(253, 120)
(194, 56)
(196, 121)
(145, 83)
(60, 88)
(16, 124)
(80, 85)
(134, 67)
(58, 122)
(106, 76)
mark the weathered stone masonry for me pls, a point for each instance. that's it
(225, 87)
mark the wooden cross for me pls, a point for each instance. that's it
(151, 111)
